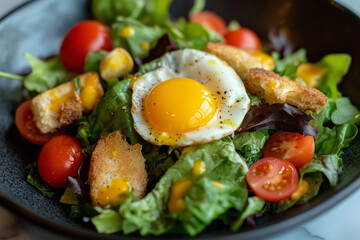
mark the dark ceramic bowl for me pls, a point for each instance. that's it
(38, 27)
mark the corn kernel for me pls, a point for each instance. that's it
(218, 184)
(127, 32)
(198, 168)
(116, 64)
(90, 94)
(144, 45)
(301, 189)
(178, 190)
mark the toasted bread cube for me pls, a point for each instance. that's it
(273, 88)
(113, 162)
(241, 60)
(62, 105)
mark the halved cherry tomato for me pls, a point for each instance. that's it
(243, 38)
(24, 119)
(84, 37)
(210, 20)
(292, 147)
(60, 158)
(272, 179)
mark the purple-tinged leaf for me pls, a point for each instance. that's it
(278, 116)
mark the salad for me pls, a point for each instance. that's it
(156, 126)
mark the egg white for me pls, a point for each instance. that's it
(222, 81)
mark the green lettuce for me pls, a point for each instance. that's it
(254, 205)
(45, 74)
(345, 112)
(92, 61)
(112, 113)
(329, 165)
(191, 35)
(141, 34)
(288, 65)
(158, 161)
(203, 200)
(340, 117)
(337, 66)
(314, 180)
(150, 12)
(33, 177)
(250, 145)
(333, 140)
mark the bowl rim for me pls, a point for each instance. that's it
(269, 229)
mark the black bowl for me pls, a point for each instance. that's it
(38, 27)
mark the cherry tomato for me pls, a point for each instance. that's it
(272, 179)
(292, 147)
(60, 158)
(243, 38)
(210, 20)
(84, 37)
(24, 119)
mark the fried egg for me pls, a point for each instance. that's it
(192, 98)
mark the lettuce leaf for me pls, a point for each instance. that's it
(191, 35)
(142, 34)
(345, 112)
(254, 205)
(278, 116)
(204, 201)
(329, 165)
(112, 113)
(337, 66)
(33, 177)
(250, 145)
(45, 74)
(288, 65)
(314, 180)
(150, 12)
(158, 161)
(92, 61)
(333, 140)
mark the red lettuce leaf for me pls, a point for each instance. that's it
(278, 116)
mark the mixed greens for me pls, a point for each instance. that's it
(222, 192)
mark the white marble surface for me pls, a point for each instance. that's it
(340, 222)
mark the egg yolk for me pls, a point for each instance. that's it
(179, 105)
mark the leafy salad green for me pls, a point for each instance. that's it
(220, 193)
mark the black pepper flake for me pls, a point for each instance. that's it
(218, 92)
(225, 92)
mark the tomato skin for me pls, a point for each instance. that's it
(243, 38)
(84, 37)
(59, 158)
(272, 179)
(292, 147)
(24, 119)
(210, 20)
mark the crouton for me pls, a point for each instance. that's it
(273, 88)
(62, 105)
(114, 159)
(241, 60)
